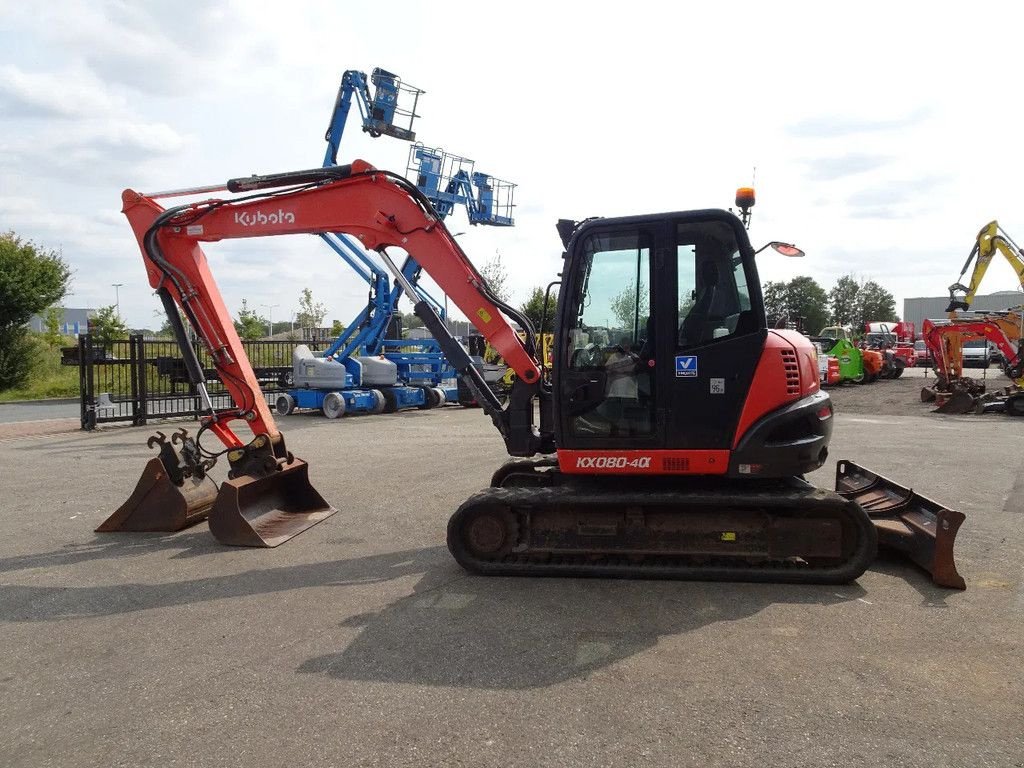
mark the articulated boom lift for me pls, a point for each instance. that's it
(414, 378)
(670, 441)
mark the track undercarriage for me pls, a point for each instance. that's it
(536, 521)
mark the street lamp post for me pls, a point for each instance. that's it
(117, 298)
(270, 317)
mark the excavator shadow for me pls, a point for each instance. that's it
(454, 629)
(194, 543)
(509, 633)
(893, 564)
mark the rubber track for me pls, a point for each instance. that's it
(789, 502)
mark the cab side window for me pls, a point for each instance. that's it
(711, 283)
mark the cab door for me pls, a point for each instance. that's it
(718, 330)
(605, 375)
(661, 329)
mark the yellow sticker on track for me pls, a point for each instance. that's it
(728, 536)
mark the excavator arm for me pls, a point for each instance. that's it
(268, 498)
(379, 209)
(991, 239)
(1002, 329)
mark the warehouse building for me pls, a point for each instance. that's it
(918, 309)
(72, 321)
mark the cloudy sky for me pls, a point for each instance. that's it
(884, 134)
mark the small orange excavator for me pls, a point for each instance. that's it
(674, 426)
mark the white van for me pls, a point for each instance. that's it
(975, 353)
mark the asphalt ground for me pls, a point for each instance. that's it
(361, 643)
(34, 410)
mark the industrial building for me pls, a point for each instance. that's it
(72, 321)
(918, 309)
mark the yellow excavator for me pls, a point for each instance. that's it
(991, 238)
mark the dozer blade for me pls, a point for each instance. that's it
(908, 522)
(267, 511)
(157, 504)
(958, 402)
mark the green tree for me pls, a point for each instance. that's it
(874, 303)
(496, 277)
(844, 300)
(311, 313)
(534, 309)
(808, 300)
(51, 326)
(337, 328)
(165, 331)
(410, 320)
(776, 302)
(106, 326)
(250, 326)
(31, 280)
(628, 309)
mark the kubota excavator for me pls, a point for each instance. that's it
(674, 428)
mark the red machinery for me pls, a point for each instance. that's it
(670, 443)
(945, 340)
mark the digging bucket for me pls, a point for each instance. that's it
(906, 521)
(958, 402)
(268, 510)
(159, 504)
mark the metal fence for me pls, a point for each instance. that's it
(138, 379)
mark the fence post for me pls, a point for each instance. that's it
(143, 382)
(134, 342)
(88, 405)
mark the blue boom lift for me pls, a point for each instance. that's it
(369, 367)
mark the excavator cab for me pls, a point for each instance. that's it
(662, 330)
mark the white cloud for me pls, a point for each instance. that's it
(66, 94)
(882, 165)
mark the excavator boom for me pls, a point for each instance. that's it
(991, 239)
(268, 497)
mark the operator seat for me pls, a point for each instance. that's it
(692, 329)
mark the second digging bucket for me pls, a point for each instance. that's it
(267, 511)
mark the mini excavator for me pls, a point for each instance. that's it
(1004, 330)
(668, 438)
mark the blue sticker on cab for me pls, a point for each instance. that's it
(686, 366)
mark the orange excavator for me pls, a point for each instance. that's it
(674, 426)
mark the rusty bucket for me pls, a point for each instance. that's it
(906, 521)
(267, 510)
(958, 401)
(158, 504)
